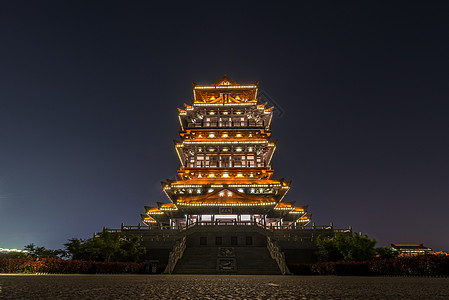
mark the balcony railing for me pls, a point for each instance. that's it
(230, 164)
(226, 124)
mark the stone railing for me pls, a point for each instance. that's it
(277, 254)
(271, 228)
(175, 255)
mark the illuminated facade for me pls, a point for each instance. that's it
(411, 249)
(225, 157)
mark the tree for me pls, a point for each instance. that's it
(386, 253)
(34, 251)
(13, 254)
(107, 246)
(343, 247)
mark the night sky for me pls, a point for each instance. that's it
(89, 91)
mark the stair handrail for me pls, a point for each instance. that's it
(277, 254)
(175, 255)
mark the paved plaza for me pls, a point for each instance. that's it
(219, 287)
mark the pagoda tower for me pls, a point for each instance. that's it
(225, 172)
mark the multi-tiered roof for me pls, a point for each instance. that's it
(225, 154)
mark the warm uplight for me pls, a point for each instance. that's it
(226, 204)
(222, 158)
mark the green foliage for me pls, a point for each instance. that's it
(34, 251)
(386, 253)
(107, 247)
(13, 254)
(343, 247)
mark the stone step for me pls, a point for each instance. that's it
(197, 260)
(255, 260)
(249, 260)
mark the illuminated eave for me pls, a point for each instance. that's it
(221, 142)
(224, 104)
(225, 204)
(220, 185)
(208, 140)
(287, 188)
(155, 213)
(302, 220)
(148, 220)
(218, 87)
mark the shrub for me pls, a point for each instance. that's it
(425, 265)
(60, 266)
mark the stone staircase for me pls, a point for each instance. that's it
(255, 260)
(198, 260)
(246, 260)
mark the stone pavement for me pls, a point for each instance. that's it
(219, 287)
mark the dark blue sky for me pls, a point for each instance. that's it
(89, 91)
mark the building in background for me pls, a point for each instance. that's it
(411, 249)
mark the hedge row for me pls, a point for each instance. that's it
(426, 265)
(60, 266)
